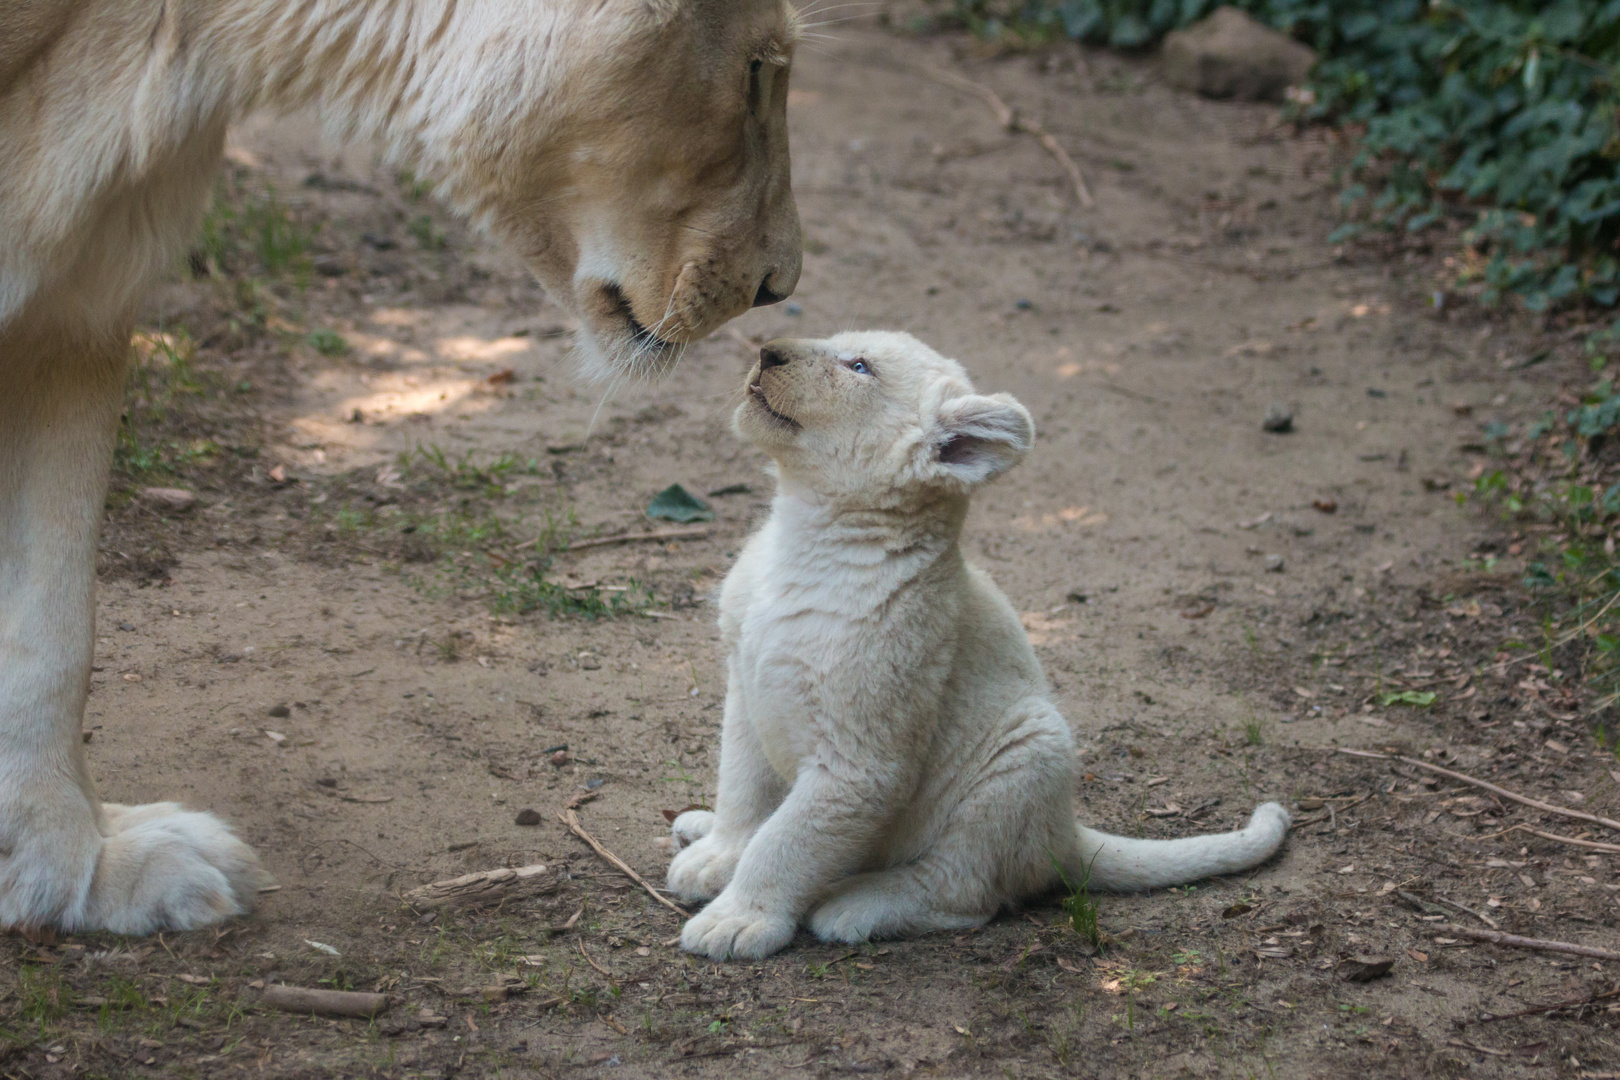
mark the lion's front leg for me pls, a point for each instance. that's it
(63, 862)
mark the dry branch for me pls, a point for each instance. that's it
(1009, 119)
(571, 819)
(301, 999)
(635, 538)
(1548, 808)
(1496, 937)
(1613, 849)
(486, 886)
(1569, 1004)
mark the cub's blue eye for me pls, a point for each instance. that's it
(859, 367)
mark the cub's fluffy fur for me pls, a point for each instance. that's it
(890, 762)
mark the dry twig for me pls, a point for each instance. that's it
(1496, 937)
(483, 887)
(604, 971)
(1589, 999)
(1613, 849)
(636, 538)
(300, 999)
(1009, 119)
(1548, 808)
(571, 819)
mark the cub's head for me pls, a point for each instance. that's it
(878, 418)
(635, 152)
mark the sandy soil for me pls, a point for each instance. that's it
(346, 589)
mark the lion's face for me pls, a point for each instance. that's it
(877, 419)
(660, 205)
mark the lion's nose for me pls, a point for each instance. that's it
(770, 357)
(766, 296)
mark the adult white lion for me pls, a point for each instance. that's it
(633, 151)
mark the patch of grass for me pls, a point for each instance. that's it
(327, 342)
(251, 232)
(1079, 904)
(427, 234)
(1254, 732)
(161, 379)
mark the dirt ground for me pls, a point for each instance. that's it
(365, 643)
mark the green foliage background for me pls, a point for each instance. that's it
(1499, 114)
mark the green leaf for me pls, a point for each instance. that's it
(1419, 699)
(675, 503)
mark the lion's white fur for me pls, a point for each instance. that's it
(633, 152)
(890, 761)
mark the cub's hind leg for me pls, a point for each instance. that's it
(996, 847)
(711, 842)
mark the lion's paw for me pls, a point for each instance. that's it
(168, 868)
(732, 929)
(704, 869)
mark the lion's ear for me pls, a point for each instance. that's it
(982, 436)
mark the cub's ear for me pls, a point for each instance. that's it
(982, 436)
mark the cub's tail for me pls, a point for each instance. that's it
(1120, 864)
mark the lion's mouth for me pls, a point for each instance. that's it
(645, 342)
(757, 393)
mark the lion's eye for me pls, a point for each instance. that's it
(859, 367)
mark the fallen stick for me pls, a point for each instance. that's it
(483, 887)
(1613, 849)
(634, 538)
(1009, 119)
(571, 819)
(602, 970)
(1486, 1018)
(301, 999)
(1496, 937)
(1548, 808)
(1486, 919)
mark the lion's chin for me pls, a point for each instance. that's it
(613, 344)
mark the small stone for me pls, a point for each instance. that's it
(560, 758)
(1232, 55)
(280, 712)
(793, 309)
(1279, 418)
(527, 816)
(1274, 564)
(1364, 968)
(126, 626)
(589, 661)
(174, 500)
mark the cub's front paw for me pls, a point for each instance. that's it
(689, 828)
(704, 869)
(734, 929)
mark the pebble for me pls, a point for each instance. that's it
(280, 711)
(1274, 563)
(1279, 418)
(560, 758)
(588, 661)
(527, 816)
(174, 500)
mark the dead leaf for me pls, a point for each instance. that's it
(279, 474)
(1198, 612)
(1327, 506)
(1420, 957)
(1070, 966)
(1364, 969)
(1239, 908)
(504, 375)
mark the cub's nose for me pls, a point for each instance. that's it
(770, 356)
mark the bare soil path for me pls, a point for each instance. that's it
(345, 650)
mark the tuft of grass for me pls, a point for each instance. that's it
(1079, 904)
(250, 232)
(1254, 732)
(327, 342)
(427, 234)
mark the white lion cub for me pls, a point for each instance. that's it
(890, 763)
